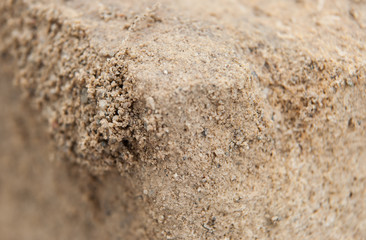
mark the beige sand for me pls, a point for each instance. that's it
(184, 119)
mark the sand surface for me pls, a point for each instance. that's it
(183, 119)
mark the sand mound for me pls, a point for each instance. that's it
(184, 120)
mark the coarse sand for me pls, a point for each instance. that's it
(205, 119)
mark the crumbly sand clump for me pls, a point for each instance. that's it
(234, 120)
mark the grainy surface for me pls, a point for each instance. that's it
(225, 119)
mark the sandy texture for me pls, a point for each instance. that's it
(191, 119)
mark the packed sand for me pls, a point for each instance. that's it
(184, 119)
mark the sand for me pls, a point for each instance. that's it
(183, 120)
